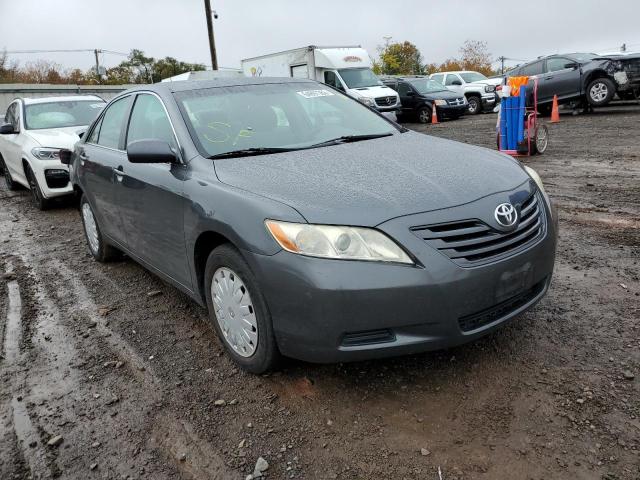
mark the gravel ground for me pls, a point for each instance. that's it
(107, 372)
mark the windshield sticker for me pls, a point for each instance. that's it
(315, 93)
(97, 105)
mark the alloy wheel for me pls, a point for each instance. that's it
(599, 92)
(425, 116)
(234, 311)
(91, 228)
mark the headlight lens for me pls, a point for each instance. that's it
(367, 101)
(328, 241)
(489, 88)
(46, 153)
(536, 178)
(440, 102)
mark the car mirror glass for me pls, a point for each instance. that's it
(150, 151)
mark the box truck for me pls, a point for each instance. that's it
(346, 68)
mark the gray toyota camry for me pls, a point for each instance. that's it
(309, 225)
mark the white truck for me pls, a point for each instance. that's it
(346, 68)
(479, 90)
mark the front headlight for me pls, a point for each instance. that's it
(328, 241)
(367, 101)
(536, 178)
(439, 103)
(489, 88)
(46, 153)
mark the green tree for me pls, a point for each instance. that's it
(398, 59)
(169, 67)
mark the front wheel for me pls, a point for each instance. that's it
(600, 92)
(424, 115)
(475, 105)
(98, 247)
(540, 140)
(239, 311)
(36, 192)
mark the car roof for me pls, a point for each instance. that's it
(187, 85)
(65, 98)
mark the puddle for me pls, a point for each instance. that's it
(13, 330)
(27, 434)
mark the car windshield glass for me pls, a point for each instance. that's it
(583, 57)
(268, 116)
(359, 77)
(61, 114)
(472, 77)
(424, 85)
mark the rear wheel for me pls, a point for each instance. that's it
(8, 180)
(424, 115)
(600, 92)
(475, 104)
(238, 311)
(36, 193)
(98, 247)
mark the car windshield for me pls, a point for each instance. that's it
(359, 77)
(424, 85)
(583, 57)
(66, 113)
(280, 116)
(472, 77)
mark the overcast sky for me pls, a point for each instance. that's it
(245, 28)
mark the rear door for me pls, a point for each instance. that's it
(152, 201)
(99, 156)
(561, 80)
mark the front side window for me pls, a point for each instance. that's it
(438, 77)
(76, 113)
(557, 63)
(150, 121)
(330, 78)
(472, 77)
(112, 123)
(93, 138)
(403, 89)
(359, 77)
(289, 115)
(452, 79)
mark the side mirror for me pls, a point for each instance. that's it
(6, 129)
(573, 65)
(65, 156)
(458, 83)
(410, 93)
(150, 151)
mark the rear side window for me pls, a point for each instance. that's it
(112, 123)
(533, 69)
(149, 121)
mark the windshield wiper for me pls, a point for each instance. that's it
(246, 152)
(350, 138)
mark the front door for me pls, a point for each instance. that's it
(152, 201)
(99, 158)
(560, 79)
(407, 97)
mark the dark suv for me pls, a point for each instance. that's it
(419, 93)
(577, 76)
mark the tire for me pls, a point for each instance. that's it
(540, 140)
(544, 109)
(475, 105)
(8, 180)
(628, 95)
(36, 192)
(98, 247)
(424, 115)
(600, 92)
(231, 316)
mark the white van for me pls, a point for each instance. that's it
(345, 68)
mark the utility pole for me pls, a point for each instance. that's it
(502, 59)
(212, 42)
(96, 51)
(623, 48)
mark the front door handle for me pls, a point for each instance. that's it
(548, 78)
(83, 156)
(119, 171)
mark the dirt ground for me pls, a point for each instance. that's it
(126, 370)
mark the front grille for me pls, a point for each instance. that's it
(385, 101)
(472, 242)
(492, 314)
(456, 102)
(368, 337)
(56, 178)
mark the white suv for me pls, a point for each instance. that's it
(479, 90)
(31, 136)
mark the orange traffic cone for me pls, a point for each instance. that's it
(555, 115)
(434, 115)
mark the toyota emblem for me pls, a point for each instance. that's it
(506, 215)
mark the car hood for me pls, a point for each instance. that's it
(368, 182)
(441, 95)
(57, 137)
(376, 91)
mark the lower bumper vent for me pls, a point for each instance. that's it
(368, 337)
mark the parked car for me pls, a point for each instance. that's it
(479, 90)
(309, 225)
(34, 131)
(582, 76)
(418, 95)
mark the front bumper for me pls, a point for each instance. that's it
(334, 310)
(449, 111)
(53, 178)
(489, 100)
